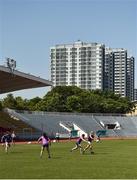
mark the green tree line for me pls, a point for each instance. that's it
(72, 99)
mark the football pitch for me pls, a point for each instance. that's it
(112, 159)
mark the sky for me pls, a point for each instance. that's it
(28, 28)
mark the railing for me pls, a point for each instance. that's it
(70, 113)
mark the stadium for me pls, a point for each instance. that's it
(114, 155)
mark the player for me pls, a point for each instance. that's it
(57, 137)
(13, 138)
(45, 144)
(70, 135)
(78, 143)
(6, 140)
(90, 140)
(98, 134)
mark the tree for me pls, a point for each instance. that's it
(20, 103)
(56, 99)
(32, 103)
(0, 105)
(9, 102)
(73, 99)
(73, 103)
(51, 103)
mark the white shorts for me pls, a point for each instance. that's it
(89, 142)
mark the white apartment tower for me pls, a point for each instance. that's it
(80, 64)
(120, 71)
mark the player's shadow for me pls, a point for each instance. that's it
(94, 154)
(89, 154)
(56, 157)
(101, 153)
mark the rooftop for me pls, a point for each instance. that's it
(16, 80)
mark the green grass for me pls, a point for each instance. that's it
(115, 159)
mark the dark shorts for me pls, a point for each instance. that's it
(57, 138)
(45, 145)
(78, 144)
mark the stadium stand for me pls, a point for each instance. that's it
(40, 121)
(49, 122)
(128, 127)
(67, 125)
(11, 123)
(134, 121)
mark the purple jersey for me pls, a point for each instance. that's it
(79, 140)
(44, 140)
(90, 138)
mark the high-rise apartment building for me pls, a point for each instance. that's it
(80, 64)
(130, 78)
(92, 66)
(135, 94)
(120, 71)
(109, 70)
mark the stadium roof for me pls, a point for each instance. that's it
(16, 80)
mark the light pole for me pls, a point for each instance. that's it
(11, 64)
